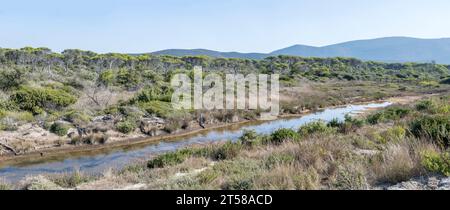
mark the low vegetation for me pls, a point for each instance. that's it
(318, 155)
(76, 86)
(80, 97)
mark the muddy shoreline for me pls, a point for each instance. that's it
(65, 150)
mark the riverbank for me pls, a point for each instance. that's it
(80, 150)
(382, 150)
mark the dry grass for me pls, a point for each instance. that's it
(400, 161)
(364, 158)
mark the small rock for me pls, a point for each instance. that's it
(152, 126)
(444, 184)
(433, 183)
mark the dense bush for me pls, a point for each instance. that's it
(128, 78)
(126, 126)
(249, 138)
(38, 99)
(11, 78)
(395, 133)
(425, 105)
(157, 92)
(106, 78)
(315, 128)
(441, 106)
(7, 105)
(435, 128)
(437, 163)
(77, 117)
(350, 124)
(334, 123)
(283, 134)
(59, 128)
(158, 108)
(392, 113)
(227, 151)
(170, 158)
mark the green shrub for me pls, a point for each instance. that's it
(435, 128)
(157, 92)
(59, 129)
(11, 78)
(436, 163)
(126, 126)
(168, 159)
(354, 121)
(392, 113)
(350, 124)
(249, 138)
(77, 117)
(375, 118)
(128, 78)
(227, 151)
(434, 106)
(158, 108)
(7, 105)
(335, 123)
(395, 133)
(317, 127)
(425, 105)
(36, 100)
(131, 112)
(284, 134)
(106, 78)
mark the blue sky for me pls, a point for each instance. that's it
(134, 26)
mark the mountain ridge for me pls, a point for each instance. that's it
(386, 49)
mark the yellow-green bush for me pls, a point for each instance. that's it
(77, 117)
(395, 133)
(38, 99)
(59, 129)
(283, 134)
(126, 126)
(317, 127)
(435, 128)
(436, 163)
(158, 108)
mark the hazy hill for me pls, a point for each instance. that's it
(390, 49)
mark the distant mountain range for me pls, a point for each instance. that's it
(389, 49)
